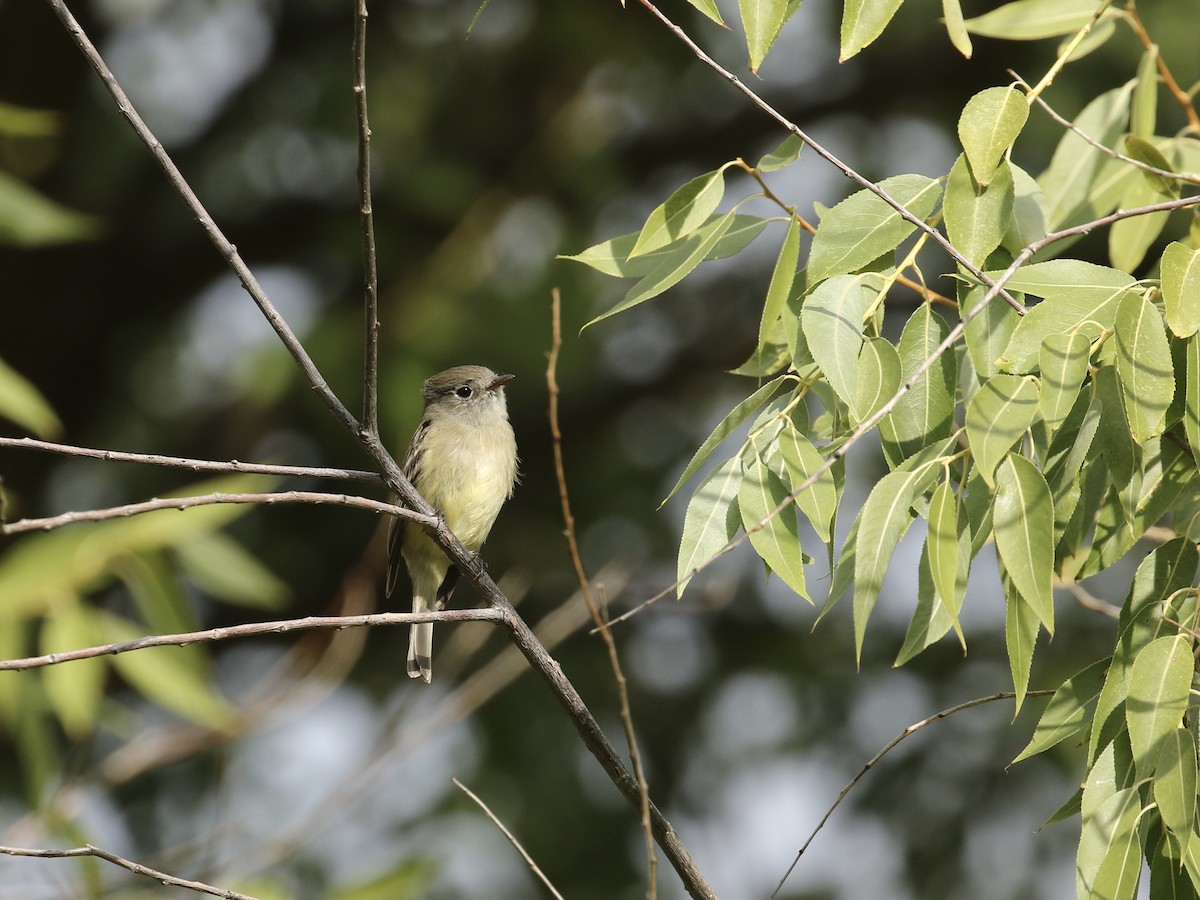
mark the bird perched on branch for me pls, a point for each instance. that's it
(463, 460)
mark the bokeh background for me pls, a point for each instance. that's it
(549, 127)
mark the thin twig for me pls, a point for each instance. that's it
(196, 465)
(268, 499)
(135, 868)
(1182, 97)
(1115, 154)
(891, 745)
(586, 590)
(1091, 601)
(511, 839)
(251, 629)
(367, 215)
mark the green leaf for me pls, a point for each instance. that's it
(863, 227)
(778, 541)
(1020, 636)
(31, 219)
(1129, 239)
(1145, 152)
(987, 127)
(932, 618)
(956, 28)
(22, 403)
(862, 22)
(1031, 20)
(1023, 518)
(884, 518)
(682, 213)
(1147, 376)
(611, 257)
(75, 689)
(782, 156)
(1115, 437)
(1158, 696)
(782, 278)
(160, 675)
(999, 413)
(1191, 411)
(1068, 182)
(832, 321)
(692, 251)
(1175, 783)
(711, 519)
(1064, 365)
(224, 569)
(1109, 859)
(1076, 293)
(878, 377)
(1028, 222)
(944, 544)
(1144, 104)
(989, 332)
(925, 414)
(762, 20)
(977, 216)
(818, 502)
(1181, 288)
(736, 417)
(1069, 711)
(709, 8)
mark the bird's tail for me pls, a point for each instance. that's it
(420, 644)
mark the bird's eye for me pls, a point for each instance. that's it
(464, 392)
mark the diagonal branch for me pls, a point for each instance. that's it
(267, 499)
(936, 236)
(134, 867)
(196, 465)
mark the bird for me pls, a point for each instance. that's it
(463, 460)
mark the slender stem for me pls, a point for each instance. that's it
(196, 465)
(1065, 56)
(134, 867)
(367, 215)
(585, 589)
(252, 629)
(1182, 97)
(891, 745)
(936, 236)
(159, 503)
(511, 838)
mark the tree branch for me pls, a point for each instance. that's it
(367, 214)
(196, 465)
(585, 589)
(891, 745)
(252, 629)
(511, 839)
(135, 868)
(268, 499)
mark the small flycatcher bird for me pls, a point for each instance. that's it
(463, 460)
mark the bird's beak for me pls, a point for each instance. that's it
(501, 381)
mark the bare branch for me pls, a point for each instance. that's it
(133, 509)
(1088, 600)
(196, 465)
(136, 868)
(251, 629)
(586, 590)
(367, 214)
(1182, 97)
(512, 840)
(891, 745)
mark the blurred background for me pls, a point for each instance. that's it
(310, 766)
